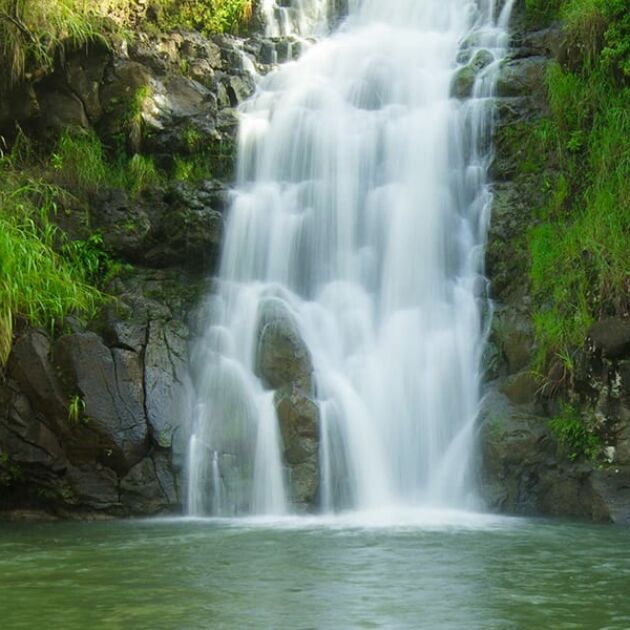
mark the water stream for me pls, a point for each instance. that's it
(360, 211)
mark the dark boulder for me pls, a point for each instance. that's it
(148, 488)
(282, 357)
(299, 420)
(31, 368)
(611, 338)
(110, 384)
(284, 363)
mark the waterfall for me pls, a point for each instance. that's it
(297, 17)
(360, 211)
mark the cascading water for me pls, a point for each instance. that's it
(361, 208)
(298, 17)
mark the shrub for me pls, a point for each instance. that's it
(580, 259)
(207, 16)
(36, 282)
(34, 32)
(574, 438)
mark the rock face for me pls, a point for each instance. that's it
(178, 225)
(89, 420)
(525, 470)
(94, 419)
(284, 364)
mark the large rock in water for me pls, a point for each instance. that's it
(282, 357)
(298, 416)
(284, 363)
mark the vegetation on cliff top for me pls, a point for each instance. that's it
(580, 258)
(44, 274)
(34, 33)
(43, 277)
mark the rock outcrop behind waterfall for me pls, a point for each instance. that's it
(284, 364)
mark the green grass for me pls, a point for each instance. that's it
(76, 409)
(81, 163)
(34, 33)
(575, 439)
(44, 275)
(37, 283)
(580, 257)
(206, 16)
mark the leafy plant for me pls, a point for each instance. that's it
(574, 438)
(207, 16)
(37, 282)
(76, 409)
(98, 266)
(79, 161)
(142, 173)
(9, 471)
(34, 32)
(580, 260)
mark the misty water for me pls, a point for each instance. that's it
(359, 215)
(427, 571)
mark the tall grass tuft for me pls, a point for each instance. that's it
(37, 283)
(580, 257)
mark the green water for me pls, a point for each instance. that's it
(439, 571)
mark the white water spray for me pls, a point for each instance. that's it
(361, 203)
(298, 17)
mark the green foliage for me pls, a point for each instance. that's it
(10, 472)
(141, 173)
(580, 259)
(207, 16)
(80, 163)
(37, 282)
(76, 409)
(34, 32)
(98, 266)
(191, 169)
(616, 53)
(542, 12)
(575, 439)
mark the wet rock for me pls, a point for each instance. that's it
(109, 383)
(142, 490)
(31, 368)
(513, 336)
(299, 420)
(25, 435)
(95, 486)
(520, 388)
(122, 83)
(464, 79)
(165, 378)
(507, 256)
(282, 356)
(522, 77)
(284, 363)
(187, 231)
(84, 74)
(611, 337)
(123, 224)
(522, 473)
(613, 486)
(163, 227)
